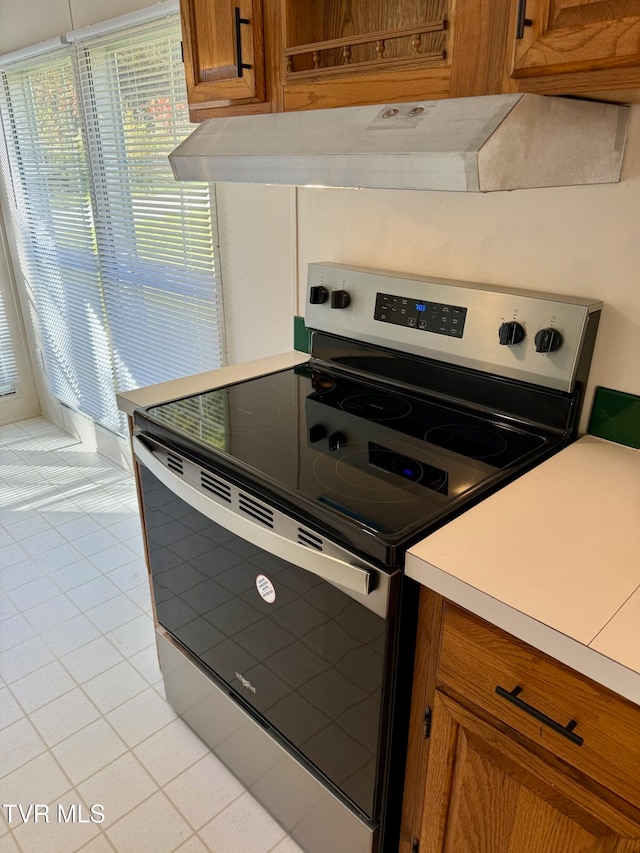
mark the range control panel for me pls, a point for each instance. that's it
(529, 335)
(420, 314)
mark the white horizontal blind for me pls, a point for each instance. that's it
(155, 236)
(54, 221)
(119, 257)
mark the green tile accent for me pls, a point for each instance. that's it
(301, 335)
(616, 416)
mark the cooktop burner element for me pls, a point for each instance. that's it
(377, 406)
(351, 474)
(387, 460)
(478, 442)
(392, 427)
(259, 413)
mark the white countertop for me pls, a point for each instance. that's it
(554, 559)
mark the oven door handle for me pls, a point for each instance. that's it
(332, 569)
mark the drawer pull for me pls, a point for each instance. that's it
(566, 731)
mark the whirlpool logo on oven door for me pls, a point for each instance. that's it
(266, 588)
(245, 682)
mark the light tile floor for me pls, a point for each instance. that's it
(83, 719)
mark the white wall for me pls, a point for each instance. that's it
(257, 232)
(27, 22)
(582, 241)
(24, 403)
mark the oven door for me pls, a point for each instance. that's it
(299, 634)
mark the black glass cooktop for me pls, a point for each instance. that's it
(366, 451)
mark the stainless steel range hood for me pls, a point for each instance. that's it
(497, 142)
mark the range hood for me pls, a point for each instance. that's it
(482, 144)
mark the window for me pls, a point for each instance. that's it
(120, 257)
(54, 219)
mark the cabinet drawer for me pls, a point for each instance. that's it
(601, 734)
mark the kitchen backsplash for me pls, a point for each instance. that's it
(616, 416)
(301, 335)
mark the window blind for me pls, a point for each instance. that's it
(155, 236)
(54, 222)
(120, 256)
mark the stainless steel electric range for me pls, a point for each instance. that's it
(278, 511)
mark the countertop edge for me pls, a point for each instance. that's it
(151, 395)
(587, 661)
(575, 654)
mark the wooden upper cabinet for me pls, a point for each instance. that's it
(272, 55)
(263, 55)
(349, 52)
(224, 53)
(578, 47)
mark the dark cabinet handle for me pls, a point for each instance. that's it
(521, 20)
(565, 731)
(238, 22)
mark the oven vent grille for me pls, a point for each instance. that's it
(175, 464)
(217, 487)
(309, 539)
(256, 510)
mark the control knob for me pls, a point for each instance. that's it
(548, 340)
(511, 333)
(340, 299)
(337, 440)
(318, 294)
(316, 433)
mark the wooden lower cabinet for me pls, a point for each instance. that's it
(484, 776)
(486, 793)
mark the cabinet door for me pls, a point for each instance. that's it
(223, 48)
(576, 35)
(485, 793)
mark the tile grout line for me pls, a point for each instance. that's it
(101, 715)
(133, 594)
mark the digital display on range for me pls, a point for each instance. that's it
(435, 317)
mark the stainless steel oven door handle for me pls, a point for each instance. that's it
(332, 569)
